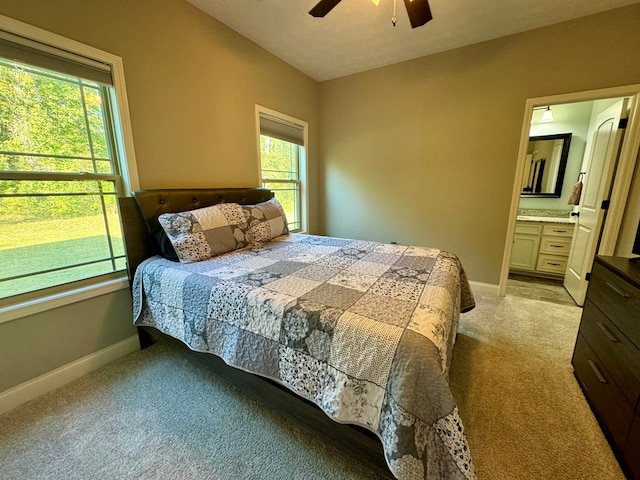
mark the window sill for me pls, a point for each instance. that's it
(23, 309)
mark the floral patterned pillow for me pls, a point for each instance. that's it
(265, 221)
(201, 234)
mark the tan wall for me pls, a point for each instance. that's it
(34, 345)
(424, 152)
(192, 87)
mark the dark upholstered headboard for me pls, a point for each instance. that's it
(141, 211)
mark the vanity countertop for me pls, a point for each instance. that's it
(531, 218)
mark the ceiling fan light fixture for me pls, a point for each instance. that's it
(547, 116)
(419, 11)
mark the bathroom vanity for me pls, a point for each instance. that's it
(541, 245)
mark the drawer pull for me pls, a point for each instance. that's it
(559, 231)
(557, 246)
(606, 332)
(597, 372)
(553, 264)
(617, 290)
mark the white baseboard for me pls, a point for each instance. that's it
(60, 376)
(487, 288)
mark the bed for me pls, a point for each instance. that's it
(351, 339)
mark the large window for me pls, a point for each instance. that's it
(283, 162)
(59, 175)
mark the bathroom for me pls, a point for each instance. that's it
(556, 166)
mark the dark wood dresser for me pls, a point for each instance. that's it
(606, 359)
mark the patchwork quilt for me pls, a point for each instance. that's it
(364, 330)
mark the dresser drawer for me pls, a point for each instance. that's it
(617, 299)
(607, 401)
(618, 355)
(555, 245)
(558, 230)
(551, 264)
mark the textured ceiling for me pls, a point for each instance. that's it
(358, 35)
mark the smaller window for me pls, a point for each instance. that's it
(282, 163)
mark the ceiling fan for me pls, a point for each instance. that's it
(418, 10)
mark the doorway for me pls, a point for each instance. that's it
(582, 101)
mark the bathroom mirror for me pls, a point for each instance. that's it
(545, 165)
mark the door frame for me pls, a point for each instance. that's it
(621, 181)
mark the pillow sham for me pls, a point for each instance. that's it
(265, 221)
(203, 233)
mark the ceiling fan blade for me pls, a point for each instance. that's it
(419, 12)
(323, 7)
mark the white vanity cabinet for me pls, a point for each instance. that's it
(526, 243)
(555, 244)
(541, 247)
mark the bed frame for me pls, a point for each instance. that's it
(139, 217)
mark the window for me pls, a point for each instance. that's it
(283, 162)
(59, 169)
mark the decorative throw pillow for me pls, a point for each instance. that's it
(203, 233)
(265, 221)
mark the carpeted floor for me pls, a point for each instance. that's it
(155, 415)
(524, 413)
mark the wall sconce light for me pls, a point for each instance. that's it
(547, 115)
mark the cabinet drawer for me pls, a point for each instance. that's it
(606, 400)
(555, 245)
(618, 355)
(617, 299)
(551, 264)
(631, 451)
(528, 228)
(558, 230)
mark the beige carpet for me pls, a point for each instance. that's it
(154, 415)
(524, 413)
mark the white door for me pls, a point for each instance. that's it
(605, 143)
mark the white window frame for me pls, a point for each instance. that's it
(125, 155)
(303, 159)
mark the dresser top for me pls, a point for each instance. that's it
(622, 266)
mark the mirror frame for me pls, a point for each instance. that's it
(562, 166)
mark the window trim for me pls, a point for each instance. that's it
(60, 299)
(303, 159)
(125, 154)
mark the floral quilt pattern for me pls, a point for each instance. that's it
(364, 330)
